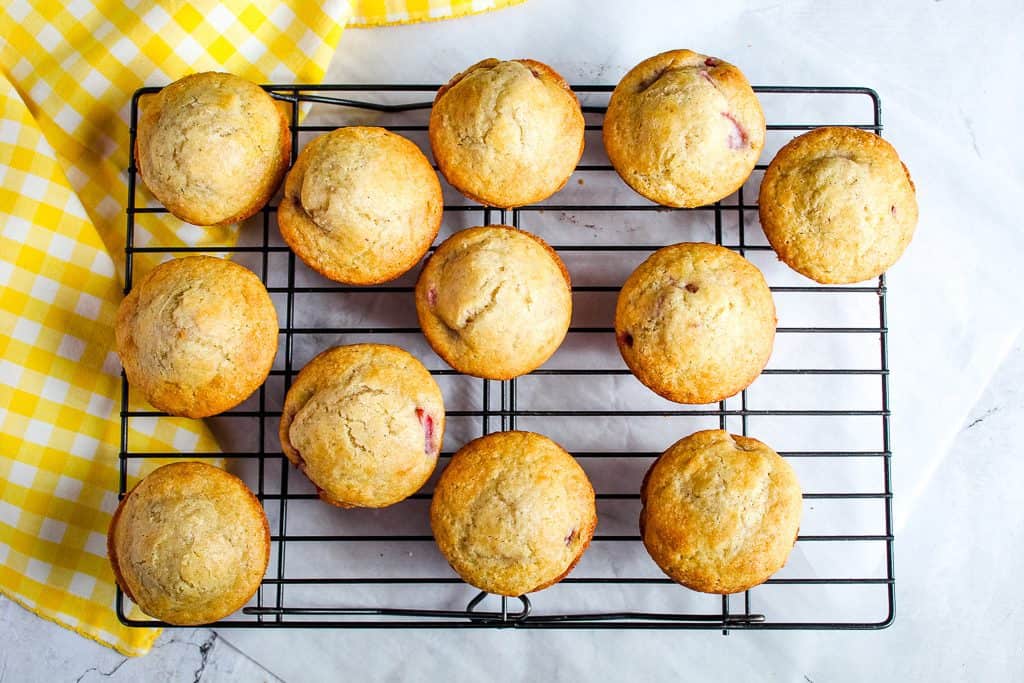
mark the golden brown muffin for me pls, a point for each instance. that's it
(684, 129)
(212, 147)
(494, 301)
(838, 205)
(507, 133)
(720, 512)
(513, 513)
(189, 544)
(365, 423)
(361, 205)
(695, 322)
(197, 335)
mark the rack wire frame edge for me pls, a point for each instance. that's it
(275, 616)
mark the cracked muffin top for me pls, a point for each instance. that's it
(695, 322)
(361, 205)
(494, 301)
(684, 129)
(513, 513)
(838, 205)
(720, 512)
(197, 335)
(507, 133)
(212, 147)
(189, 544)
(365, 423)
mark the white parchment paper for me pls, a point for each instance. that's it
(954, 313)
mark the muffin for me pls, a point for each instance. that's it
(361, 205)
(507, 133)
(365, 424)
(513, 512)
(189, 544)
(212, 147)
(720, 512)
(684, 129)
(838, 205)
(197, 335)
(695, 322)
(494, 302)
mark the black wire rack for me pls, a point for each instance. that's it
(379, 569)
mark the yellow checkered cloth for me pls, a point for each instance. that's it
(388, 12)
(68, 73)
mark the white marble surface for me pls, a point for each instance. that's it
(944, 71)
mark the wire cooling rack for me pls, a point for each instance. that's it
(822, 403)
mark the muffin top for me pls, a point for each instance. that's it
(720, 512)
(212, 147)
(361, 205)
(507, 133)
(684, 129)
(513, 512)
(197, 335)
(838, 205)
(365, 423)
(695, 322)
(189, 544)
(494, 301)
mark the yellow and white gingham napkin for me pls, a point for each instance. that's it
(389, 12)
(68, 73)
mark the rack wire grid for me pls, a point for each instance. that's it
(822, 403)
